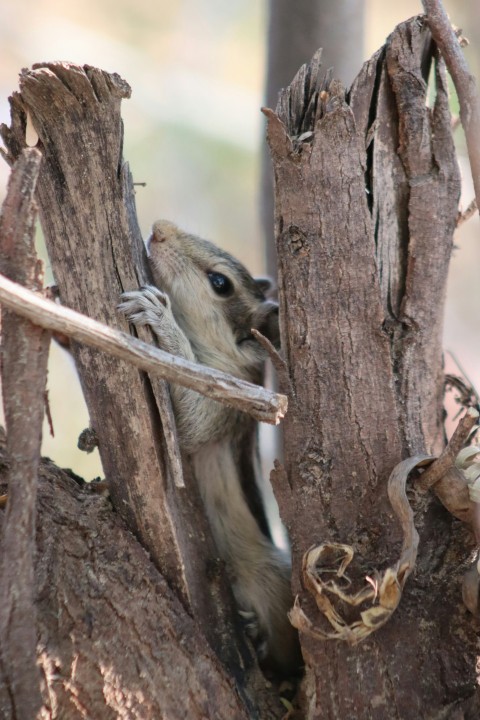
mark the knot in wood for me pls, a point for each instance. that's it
(296, 241)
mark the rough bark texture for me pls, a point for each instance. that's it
(295, 31)
(367, 189)
(88, 217)
(24, 355)
(366, 200)
(113, 639)
(76, 113)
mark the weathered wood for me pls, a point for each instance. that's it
(295, 30)
(96, 252)
(367, 190)
(24, 355)
(113, 639)
(262, 404)
(173, 459)
(76, 113)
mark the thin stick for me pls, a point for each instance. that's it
(467, 214)
(277, 361)
(258, 402)
(448, 44)
(446, 460)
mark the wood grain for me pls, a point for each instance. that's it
(24, 355)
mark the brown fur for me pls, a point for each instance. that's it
(191, 320)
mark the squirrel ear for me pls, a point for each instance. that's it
(265, 284)
(265, 320)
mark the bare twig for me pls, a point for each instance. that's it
(49, 414)
(24, 372)
(449, 45)
(261, 404)
(160, 388)
(277, 361)
(467, 214)
(447, 459)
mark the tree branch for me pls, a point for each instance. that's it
(87, 211)
(465, 85)
(361, 309)
(96, 251)
(262, 404)
(76, 114)
(446, 460)
(160, 389)
(24, 372)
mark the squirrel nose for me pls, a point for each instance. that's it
(163, 230)
(157, 236)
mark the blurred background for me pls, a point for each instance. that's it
(194, 132)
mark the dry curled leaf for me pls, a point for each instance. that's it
(325, 566)
(325, 574)
(467, 464)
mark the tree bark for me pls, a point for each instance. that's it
(97, 252)
(367, 190)
(113, 640)
(366, 201)
(24, 355)
(76, 113)
(295, 32)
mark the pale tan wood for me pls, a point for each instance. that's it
(261, 404)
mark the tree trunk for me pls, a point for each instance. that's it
(295, 31)
(97, 252)
(366, 192)
(366, 199)
(113, 640)
(24, 351)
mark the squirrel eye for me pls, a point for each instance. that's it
(220, 283)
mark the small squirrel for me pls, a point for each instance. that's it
(204, 312)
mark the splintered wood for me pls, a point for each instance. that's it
(366, 201)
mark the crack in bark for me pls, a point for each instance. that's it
(379, 261)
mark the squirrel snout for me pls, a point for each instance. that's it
(163, 230)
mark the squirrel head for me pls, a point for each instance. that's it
(215, 300)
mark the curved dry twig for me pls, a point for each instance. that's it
(449, 45)
(325, 576)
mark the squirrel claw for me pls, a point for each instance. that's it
(144, 306)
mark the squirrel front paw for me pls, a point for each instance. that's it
(146, 306)
(150, 306)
